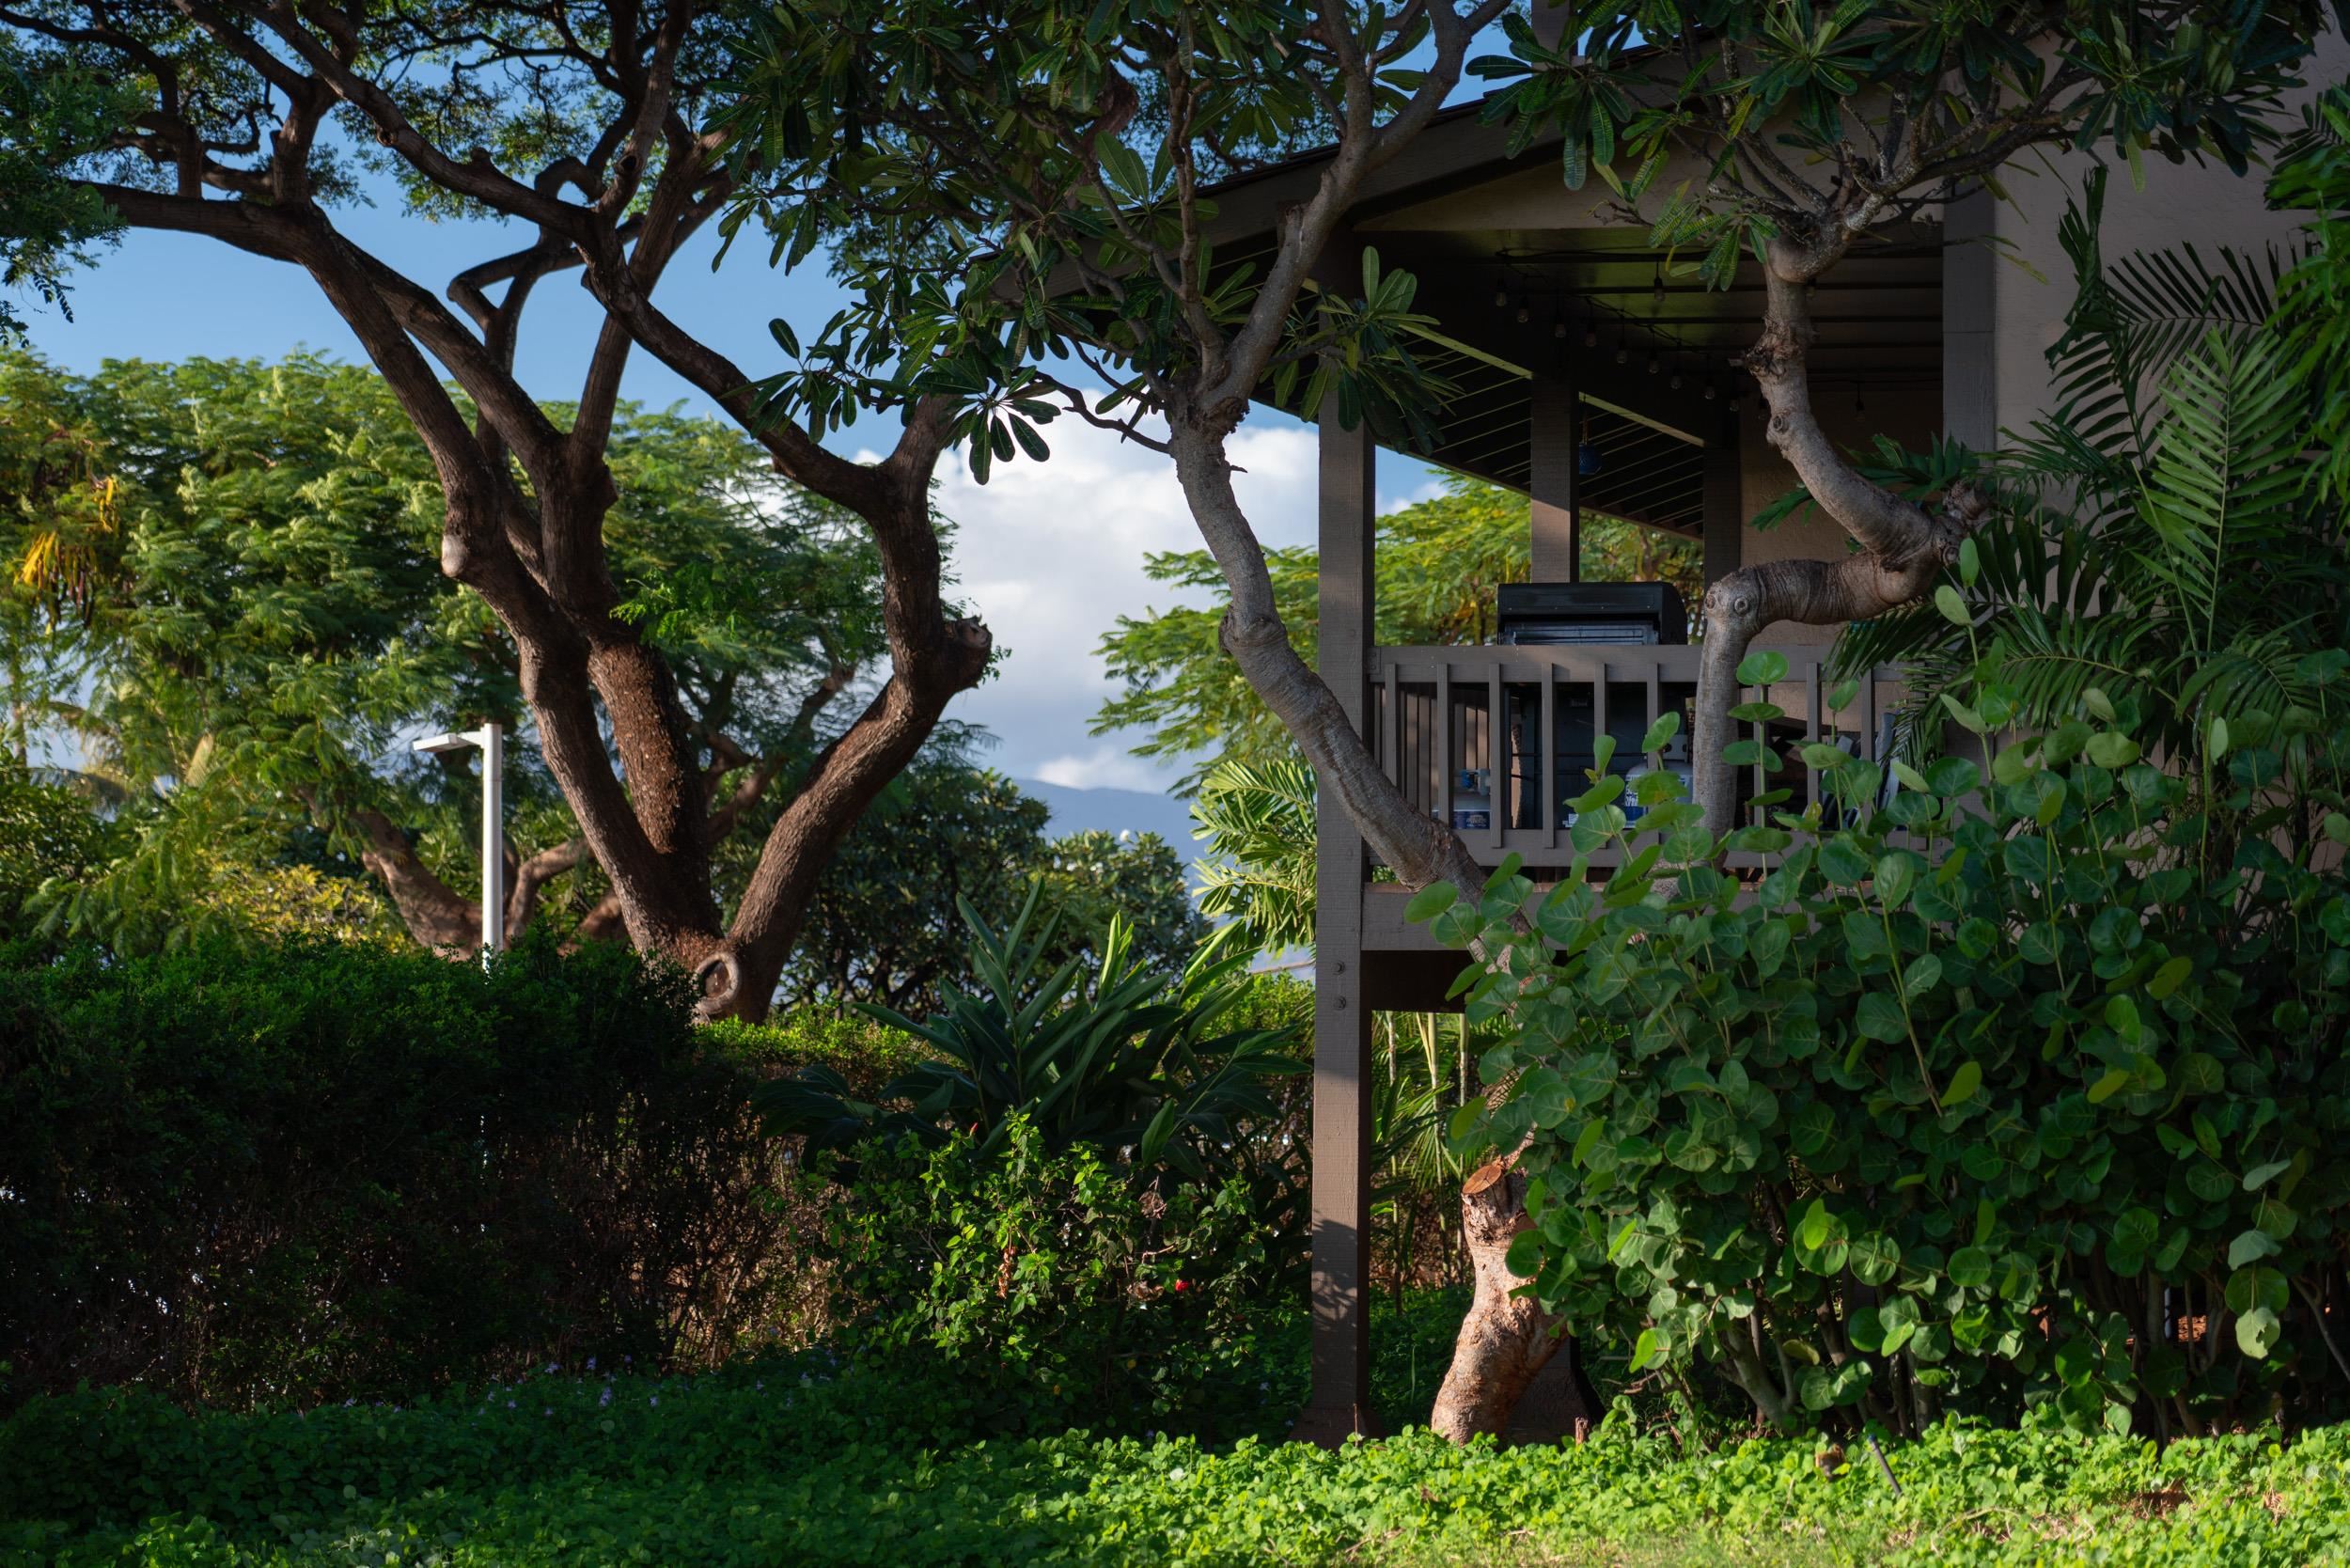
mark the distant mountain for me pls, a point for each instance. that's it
(1117, 811)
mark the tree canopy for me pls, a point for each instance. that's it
(225, 606)
(592, 130)
(886, 926)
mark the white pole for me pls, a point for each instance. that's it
(492, 742)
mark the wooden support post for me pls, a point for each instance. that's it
(1970, 392)
(1555, 413)
(1340, 1399)
(1723, 518)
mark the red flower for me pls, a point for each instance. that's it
(1183, 1285)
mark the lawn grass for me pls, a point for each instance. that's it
(789, 1461)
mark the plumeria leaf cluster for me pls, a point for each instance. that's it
(1015, 199)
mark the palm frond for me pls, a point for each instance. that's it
(1258, 821)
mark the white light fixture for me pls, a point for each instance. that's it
(490, 738)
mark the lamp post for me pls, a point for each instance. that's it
(490, 738)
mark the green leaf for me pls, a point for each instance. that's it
(1873, 1257)
(2166, 979)
(2260, 1175)
(2199, 1072)
(1896, 873)
(1762, 667)
(1952, 607)
(1880, 1017)
(1667, 725)
(2251, 1247)
(2108, 1087)
(1970, 1266)
(2121, 1018)
(1954, 776)
(1431, 902)
(1963, 1084)
(1969, 561)
(1923, 974)
(2256, 1332)
(2109, 748)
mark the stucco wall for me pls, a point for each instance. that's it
(2202, 203)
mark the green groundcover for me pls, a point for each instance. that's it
(784, 1462)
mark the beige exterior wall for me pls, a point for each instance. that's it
(2204, 204)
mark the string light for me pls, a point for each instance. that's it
(1501, 295)
(1526, 312)
(1590, 334)
(1654, 363)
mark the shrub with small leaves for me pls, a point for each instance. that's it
(1054, 1282)
(1960, 1094)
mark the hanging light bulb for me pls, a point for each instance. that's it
(1558, 329)
(1501, 295)
(1526, 312)
(1656, 287)
(1709, 391)
(1590, 334)
(1624, 354)
(1676, 381)
(1734, 401)
(1587, 459)
(1654, 363)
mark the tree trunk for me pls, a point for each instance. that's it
(1506, 1338)
(739, 974)
(1904, 547)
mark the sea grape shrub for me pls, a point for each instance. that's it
(1985, 1094)
(1050, 1285)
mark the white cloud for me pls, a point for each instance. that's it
(1427, 492)
(1107, 766)
(1050, 554)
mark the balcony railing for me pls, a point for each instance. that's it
(1433, 724)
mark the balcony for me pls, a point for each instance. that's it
(1431, 721)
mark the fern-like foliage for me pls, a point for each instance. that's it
(1256, 820)
(2156, 536)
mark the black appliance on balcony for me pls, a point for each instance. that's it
(1559, 614)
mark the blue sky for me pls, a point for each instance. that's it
(1050, 554)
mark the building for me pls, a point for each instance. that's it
(1589, 379)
